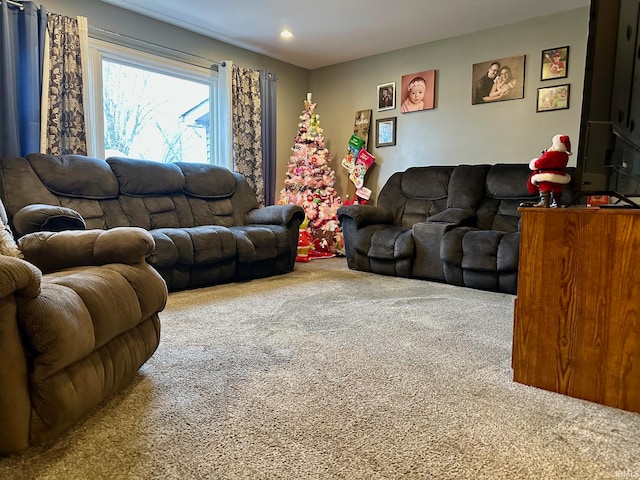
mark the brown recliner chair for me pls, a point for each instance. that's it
(78, 318)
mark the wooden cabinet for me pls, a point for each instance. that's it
(577, 312)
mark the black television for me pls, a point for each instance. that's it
(608, 158)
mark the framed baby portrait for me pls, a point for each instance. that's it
(387, 96)
(555, 63)
(553, 98)
(498, 80)
(385, 132)
(418, 91)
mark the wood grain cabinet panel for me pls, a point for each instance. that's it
(577, 311)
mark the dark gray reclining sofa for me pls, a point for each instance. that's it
(455, 224)
(205, 220)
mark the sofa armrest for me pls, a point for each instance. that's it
(51, 251)
(19, 277)
(454, 216)
(364, 215)
(20, 282)
(275, 215)
(40, 217)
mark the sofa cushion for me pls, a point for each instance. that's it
(480, 250)
(508, 252)
(282, 238)
(429, 183)
(508, 181)
(391, 243)
(419, 210)
(506, 188)
(254, 243)
(192, 246)
(140, 178)
(422, 192)
(110, 300)
(451, 246)
(75, 175)
(161, 211)
(453, 216)
(207, 181)
(208, 212)
(502, 215)
(60, 337)
(466, 187)
(100, 303)
(38, 217)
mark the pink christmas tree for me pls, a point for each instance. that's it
(310, 180)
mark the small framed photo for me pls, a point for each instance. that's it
(385, 132)
(555, 63)
(553, 98)
(387, 96)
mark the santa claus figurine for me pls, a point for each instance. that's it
(550, 173)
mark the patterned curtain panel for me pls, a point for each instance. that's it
(65, 127)
(246, 127)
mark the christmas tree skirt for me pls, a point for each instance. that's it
(313, 255)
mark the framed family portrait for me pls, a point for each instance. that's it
(553, 98)
(387, 96)
(555, 63)
(418, 91)
(498, 80)
(385, 132)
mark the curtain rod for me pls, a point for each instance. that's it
(127, 40)
(17, 3)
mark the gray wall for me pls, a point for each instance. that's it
(456, 131)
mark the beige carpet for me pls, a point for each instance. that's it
(327, 373)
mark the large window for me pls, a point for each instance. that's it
(149, 107)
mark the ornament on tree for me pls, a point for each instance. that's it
(310, 180)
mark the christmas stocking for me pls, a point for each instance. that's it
(355, 145)
(364, 160)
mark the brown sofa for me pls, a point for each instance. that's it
(78, 317)
(204, 219)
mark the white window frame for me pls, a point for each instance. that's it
(100, 50)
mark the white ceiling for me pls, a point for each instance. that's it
(333, 31)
